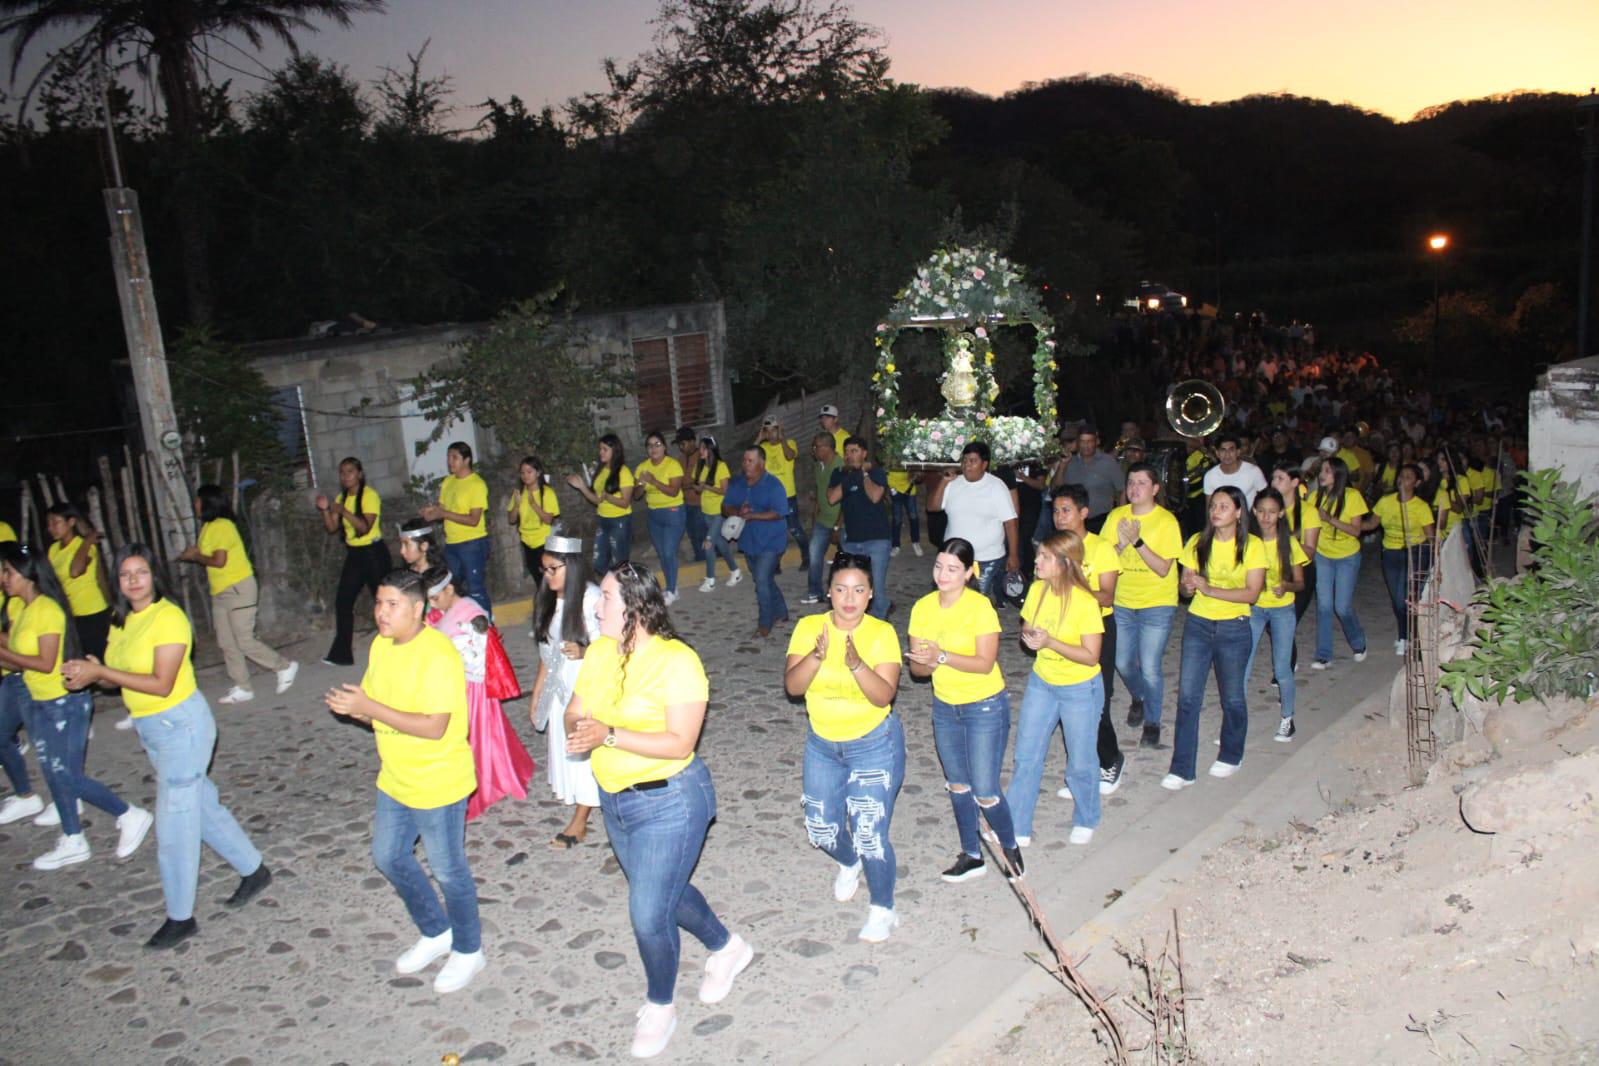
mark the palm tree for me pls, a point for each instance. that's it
(170, 42)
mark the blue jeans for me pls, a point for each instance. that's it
(1141, 635)
(1335, 594)
(991, 581)
(1076, 709)
(719, 546)
(395, 828)
(666, 534)
(60, 732)
(905, 506)
(1280, 620)
(14, 700)
(1224, 647)
(796, 527)
(1396, 574)
(613, 543)
(879, 551)
(179, 742)
(657, 836)
(970, 738)
(768, 597)
(697, 532)
(850, 788)
(469, 561)
(816, 560)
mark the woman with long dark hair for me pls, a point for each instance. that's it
(149, 658)
(846, 664)
(1304, 523)
(419, 545)
(533, 509)
(1148, 539)
(23, 802)
(1407, 527)
(711, 476)
(611, 490)
(234, 596)
(463, 508)
(1340, 507)
(660, 478)
(954, 635)
(58, 720)
(75, 558)
(1275, 610)
(637, 710)
(359, 511)
(565, 622)
(1224, 569)
(1451, 499)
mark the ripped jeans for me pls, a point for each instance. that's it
(850, 788)
(970, 738)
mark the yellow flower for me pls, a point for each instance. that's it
(989, 358)
(889, 368)
(878, 341)
(876, 377)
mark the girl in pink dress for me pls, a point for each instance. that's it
(504, 767)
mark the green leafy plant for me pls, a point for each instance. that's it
(1539, 635)
(225, 406)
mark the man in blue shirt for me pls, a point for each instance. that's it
(762, 502)
(861, 490)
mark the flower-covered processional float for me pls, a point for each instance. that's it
(967, 293)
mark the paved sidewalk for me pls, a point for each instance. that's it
(305, 974)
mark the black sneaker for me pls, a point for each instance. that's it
(1135, 713)
(1285, 731)
(1151, 737)
(1110, 778)
(172, 933)
(249, 887)
(966, 868)
(1014, 857)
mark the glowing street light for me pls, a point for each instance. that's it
(1437, 242)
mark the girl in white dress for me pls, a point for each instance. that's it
(565, 621)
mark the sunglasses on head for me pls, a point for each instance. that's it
(851, 561)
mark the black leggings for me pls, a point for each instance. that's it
(1109, 749)
(363, 567)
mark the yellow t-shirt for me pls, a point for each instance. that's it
(533, 530)
(1138, 586)
(1351, 460)
(463, 495)
(41, 618)
(1486, 480)
(1448, 516)
(899, 481)
(1099, 557)
(13, 612)
(635, 697)
(1308, 518)
(667, 469)
(838, 710)
(781, 466)
(131, 647)
(371, 507)
(955, 630)
(1066, 622)
(840, 435)
(1274, 572)
(1224, 571)
(711, 500)
(1397, 532)
(84, 596)
(1386, 478)
(422, 676)
(7, 534)
(602, 485)
(1334, 542)
(221, 533)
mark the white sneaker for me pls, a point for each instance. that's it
(893, 553)
(671, 598)
(50, 816)
(1285, 731)
(237, 695)
(917, 548)
(847, 881)
(22, 746)
(1399, 647)
(708, 585)
(722, 967)
(1023, 842)
(133, 825)
(1360, 656)
(1081, 834)
(1223, 769)
(125, 722)
(68, 850)
(286, 677)
(458, 971)
(1064, 792)
(16, 808)
(733, 579)
(1173, 783)
(807, 599)
(424, 953)
(880, 922)
(1320, 664)
(656, 1024)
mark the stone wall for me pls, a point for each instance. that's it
(1563, 422)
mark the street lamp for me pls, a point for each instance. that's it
(1437, 242)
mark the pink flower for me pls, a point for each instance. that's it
(1050, 345)
(937, 434)
(981, 332)
(879, 412)
(977, 272)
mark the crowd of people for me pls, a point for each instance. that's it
(1088, 549)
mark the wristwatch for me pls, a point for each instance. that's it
(943, 657)
(610, 737)
(1139, 543)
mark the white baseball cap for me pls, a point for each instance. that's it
(1328, 445)
(828, 410)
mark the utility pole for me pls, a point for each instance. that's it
(1588, 109)
(146, 354)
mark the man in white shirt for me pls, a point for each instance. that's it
(980, 510)
(1232, 469)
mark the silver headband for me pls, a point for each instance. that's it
(416, 534)
(564, 545)
(444, 582)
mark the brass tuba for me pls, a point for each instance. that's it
(1195, 408)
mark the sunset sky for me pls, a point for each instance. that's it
(1393, 56)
